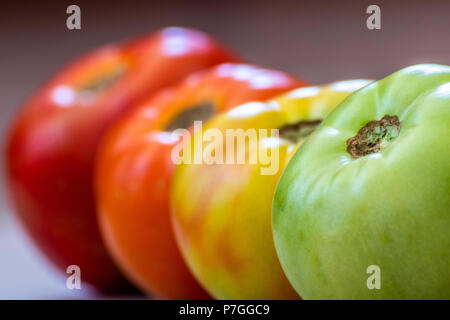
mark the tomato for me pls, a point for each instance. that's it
(135, 167)
(363, 209)
(54, 139)
(221, 209)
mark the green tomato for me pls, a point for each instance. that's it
(362, 210)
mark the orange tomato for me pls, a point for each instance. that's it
(134, 172)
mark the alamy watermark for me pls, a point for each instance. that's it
(73, 21)
(373, 22)
(374, 280)
(229, 146)
(74, 280)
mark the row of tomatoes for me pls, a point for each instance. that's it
(90, 171)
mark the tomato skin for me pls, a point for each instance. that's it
(134, 175)
(221, 212)
(346, 220)
(53, 141)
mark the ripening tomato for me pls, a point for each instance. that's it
(362, 210)
(135, 166)
(221, 206)
(54, 139)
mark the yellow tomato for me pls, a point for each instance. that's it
(222, 194)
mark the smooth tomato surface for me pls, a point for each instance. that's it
(362, 210)
(54, 139)
(135, 167)
(221, 211)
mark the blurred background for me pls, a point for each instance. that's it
(320, 41)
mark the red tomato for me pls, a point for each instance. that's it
(53, 142)
(134, 172)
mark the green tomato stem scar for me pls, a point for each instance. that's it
(295, 132)
(374, 136)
